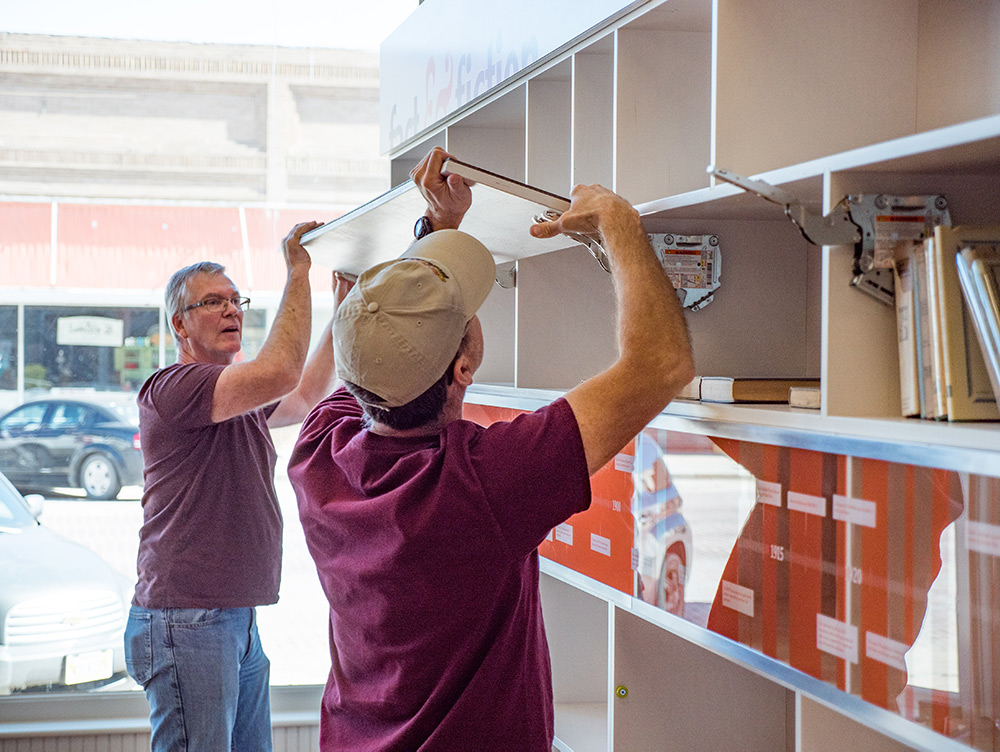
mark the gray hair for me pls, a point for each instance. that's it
(176, 290)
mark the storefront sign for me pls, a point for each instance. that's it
(96, 331)
(449, 52)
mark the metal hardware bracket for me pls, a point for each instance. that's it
(873, 223)
(695, 279)
(836, 228)
(590, 243)
(694, 265)
(507, 275)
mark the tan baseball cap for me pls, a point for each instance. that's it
(399, 328)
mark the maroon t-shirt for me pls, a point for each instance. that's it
(211, 534)
(426, 549)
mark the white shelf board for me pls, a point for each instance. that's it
(970, 447)
(967, 148)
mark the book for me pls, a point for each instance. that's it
(938, 393)
(741, 389)
(922, 332)
(906, 335)
(968, 390)
(691, 391)
(979, 276)
(804, 396)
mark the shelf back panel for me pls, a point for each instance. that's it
(797, 81)
(662, 133)
(672, 684)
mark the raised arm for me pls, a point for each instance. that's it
(278, 366)
(655, 358)
(319, 376)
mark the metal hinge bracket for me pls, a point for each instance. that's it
(875, 224)
(507, 275)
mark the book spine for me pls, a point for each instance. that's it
(909, 391)
(934, 317)
(925, 368)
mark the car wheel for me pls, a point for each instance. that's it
(670, 589)
(99, 477)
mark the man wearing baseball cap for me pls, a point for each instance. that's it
(424, 526)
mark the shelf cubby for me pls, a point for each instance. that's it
(663, 102)
(796, 81)
(579, 669)
(549, 124)
(493, 136)
(593, 108)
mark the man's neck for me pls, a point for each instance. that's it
(452, 410)
(428, 429)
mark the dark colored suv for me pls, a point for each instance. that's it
(70, 442)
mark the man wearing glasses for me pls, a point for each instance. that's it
(210, 545)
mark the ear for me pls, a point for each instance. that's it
(180, 331)
(462, 371)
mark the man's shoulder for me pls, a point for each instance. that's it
(177, 372)
(179, 381)
(554, 418)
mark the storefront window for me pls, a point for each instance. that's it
(102, 349)
(118, 177)
(8, 347)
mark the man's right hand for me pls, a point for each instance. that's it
(594, 211)
(291, 247)
(448, 196)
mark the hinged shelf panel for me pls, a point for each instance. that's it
(382, 229)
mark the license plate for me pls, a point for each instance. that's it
(86, 667)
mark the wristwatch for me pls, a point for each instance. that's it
(422, 227)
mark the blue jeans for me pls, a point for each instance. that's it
(206, 677)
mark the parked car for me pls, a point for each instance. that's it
(62, 608)
(662, 535)
(72, 442)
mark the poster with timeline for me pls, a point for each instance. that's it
(880, 578)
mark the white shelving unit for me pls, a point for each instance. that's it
(822, 100)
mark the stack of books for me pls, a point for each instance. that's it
(948, 361)
(733, 389)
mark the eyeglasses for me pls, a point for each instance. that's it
(218, 305)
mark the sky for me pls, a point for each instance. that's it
(357, 24)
